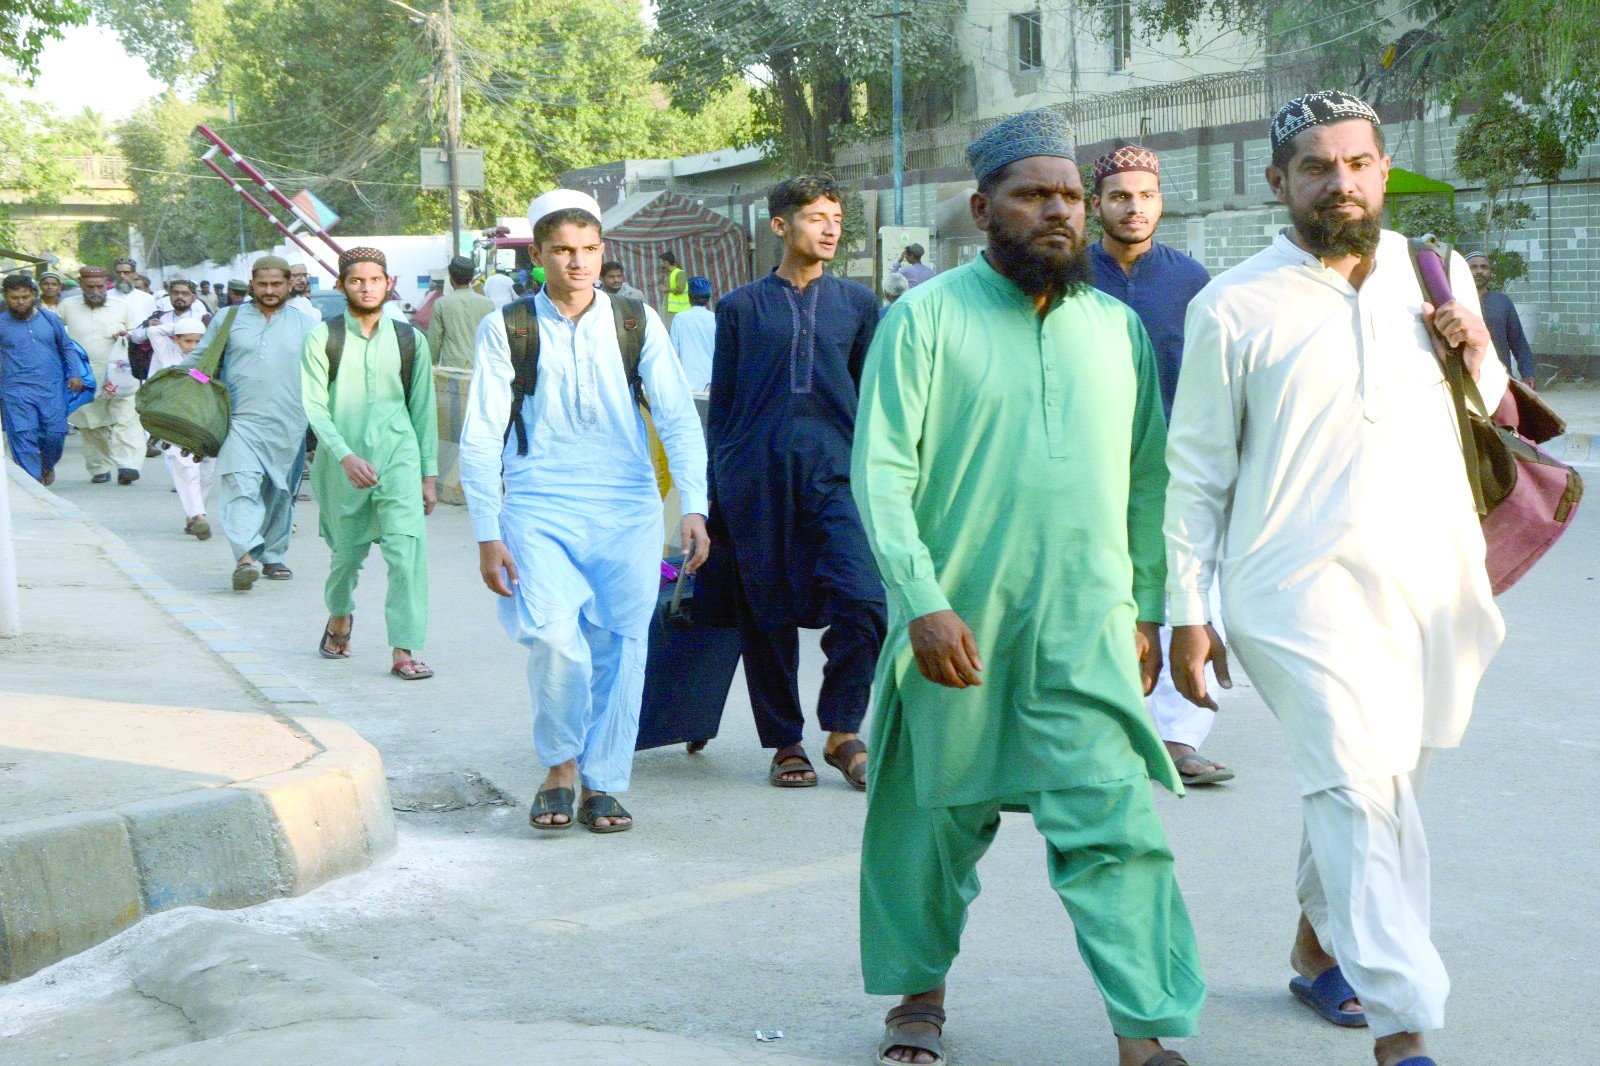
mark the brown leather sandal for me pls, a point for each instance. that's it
(791, 760)
(895, 1036)
(842, 757)
(1166, 1057)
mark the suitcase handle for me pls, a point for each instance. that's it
(675, 611)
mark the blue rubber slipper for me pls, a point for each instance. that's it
(1326, 995)
(1417, 1060)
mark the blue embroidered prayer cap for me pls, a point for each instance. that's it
(699, 286)
(1317, 109)
(1041, 132)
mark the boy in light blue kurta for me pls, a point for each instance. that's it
(267, 426)
(574, 541)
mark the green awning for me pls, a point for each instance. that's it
(1407, 183)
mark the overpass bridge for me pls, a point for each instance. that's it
(99, 193)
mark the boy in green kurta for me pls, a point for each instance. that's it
(377, 462)
(1008, 466)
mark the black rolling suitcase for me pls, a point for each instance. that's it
(688, 673)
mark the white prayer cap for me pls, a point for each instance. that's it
(560, 200)
(188, 327)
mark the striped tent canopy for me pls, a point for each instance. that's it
(642, 226)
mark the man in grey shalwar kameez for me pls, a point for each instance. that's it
(261, 368)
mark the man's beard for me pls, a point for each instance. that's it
(181, 310)
(1040, 271)
(1125, 234)
(94, 301)
(1327, 233)
(270, 301)
(124, 287)
(24, 316)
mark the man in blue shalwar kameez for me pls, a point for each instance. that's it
(567, 513)
(36, 370)
(784, 382)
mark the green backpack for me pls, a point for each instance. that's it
(188, 407)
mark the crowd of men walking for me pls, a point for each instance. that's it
(1019, 501)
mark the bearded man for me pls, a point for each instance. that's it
(1316, 465)
(1008, 471)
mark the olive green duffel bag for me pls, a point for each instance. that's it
(188, 407)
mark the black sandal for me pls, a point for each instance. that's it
(600, 805)
(791, 760)
(552, 801)
(336, 640)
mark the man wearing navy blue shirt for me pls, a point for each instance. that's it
(784, 384)
(1505, 325)
(1157, 282)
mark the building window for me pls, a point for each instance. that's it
(1119, 17)
(1027, 41)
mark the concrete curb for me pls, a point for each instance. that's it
(69, 882)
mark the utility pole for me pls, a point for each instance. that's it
(445, 27)
(899, 128)
(233, 121)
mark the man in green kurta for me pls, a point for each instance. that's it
(377, 462)
(1008, 469)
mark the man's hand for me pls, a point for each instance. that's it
(1192, 648)
(498, 569)
(361, 473)
(75, 385)
(430, 494)
(108, 389)
(1147, 639)
(1462, 329)
(945, 649)
(1532, 383)
(696, 541)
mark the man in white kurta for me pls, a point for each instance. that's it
(112, 437)
(1316, 466)
(574, 541)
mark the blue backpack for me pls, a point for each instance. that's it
(79, 367)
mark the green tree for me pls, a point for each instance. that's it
(555, 85)
(184, 211)
(1466, 53)
(821, 67)
(31, 169)
(547, 87)
(26, 26)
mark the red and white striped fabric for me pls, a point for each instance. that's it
(642, 226)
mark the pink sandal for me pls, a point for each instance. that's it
(411, 670)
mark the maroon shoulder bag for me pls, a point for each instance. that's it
(1525, 498)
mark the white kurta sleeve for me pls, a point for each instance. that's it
(1203, 464)
(484, 426)
(673, 411)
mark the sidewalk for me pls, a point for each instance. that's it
(1580, 406)
(119, 796)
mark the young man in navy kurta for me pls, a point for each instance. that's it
(784, 382)
(1157, 282)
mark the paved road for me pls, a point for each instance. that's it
(732, 906)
